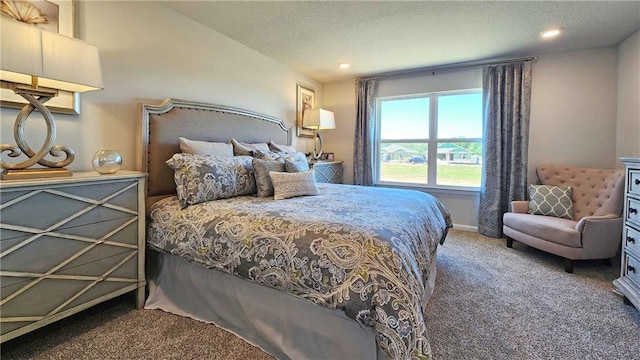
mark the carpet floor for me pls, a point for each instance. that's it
(490, 302)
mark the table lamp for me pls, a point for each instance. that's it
(35, 64)
(316, 120)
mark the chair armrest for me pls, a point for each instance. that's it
(601, 235)
(595, 220)
(520, 206)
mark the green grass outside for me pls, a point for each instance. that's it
(448, 174)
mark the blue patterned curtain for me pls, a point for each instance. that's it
(506, 103)
(363, 159)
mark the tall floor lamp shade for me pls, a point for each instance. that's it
(35, 64)
(316, 120)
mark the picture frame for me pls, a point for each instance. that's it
(328, 156)
(305, 99)
(62, 13)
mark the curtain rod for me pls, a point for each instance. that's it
(443, 68)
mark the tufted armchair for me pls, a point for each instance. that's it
(595, 232)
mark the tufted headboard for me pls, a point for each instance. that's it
(595, 191)
(162, 124)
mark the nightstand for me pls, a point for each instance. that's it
(327, 171)
(68, 244)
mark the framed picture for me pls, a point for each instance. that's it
(306, 99)
(327, 156)
(57, 16)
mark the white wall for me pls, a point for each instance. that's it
(573, 109)
(150, 53)
(573, 119)
(628, 124)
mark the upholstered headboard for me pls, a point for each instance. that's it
(161, 125)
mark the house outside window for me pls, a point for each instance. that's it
(430, 140)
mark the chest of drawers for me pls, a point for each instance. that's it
(628, 284)
(67, 244)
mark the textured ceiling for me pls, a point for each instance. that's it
(313, 37)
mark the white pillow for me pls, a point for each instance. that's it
(288, 185)
(240, 148)
(281, 148)
(196, 147)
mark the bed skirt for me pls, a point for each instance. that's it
(280, 324)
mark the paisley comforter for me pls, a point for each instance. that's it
(364, 250)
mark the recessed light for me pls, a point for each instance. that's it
(547, 34)
(344, 65)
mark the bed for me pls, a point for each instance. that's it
(343, 274)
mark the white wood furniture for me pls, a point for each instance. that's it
(327, 171)
(67, 244)
(628, 284)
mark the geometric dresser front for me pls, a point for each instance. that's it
(67, 244)
(327, 171)
(628, 284)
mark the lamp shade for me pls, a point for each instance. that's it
(318, 119)
(59, 62)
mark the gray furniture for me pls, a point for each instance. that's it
(596, 229)
(68, 244)
(628, 284)
(327, 171)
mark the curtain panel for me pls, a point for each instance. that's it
(363, 159)
(506, 109)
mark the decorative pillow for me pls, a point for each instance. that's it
(293, 164)
(288, 185)
(263, 180)
(268, 155)
(205, 147)
(201, 178)
(298, 156)
(551, 201)
(281, 148)
(240, 148)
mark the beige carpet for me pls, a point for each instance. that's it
(490, 302)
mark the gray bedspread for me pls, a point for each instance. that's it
(364, 250)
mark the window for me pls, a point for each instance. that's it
(430, 139)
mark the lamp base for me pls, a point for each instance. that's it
(34, 173)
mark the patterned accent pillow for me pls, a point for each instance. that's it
(244, 149)
(268, 155)
(288, 185)
(263, 180)
(293, 164)
(201, 178)
(205, 147)
(551, 201)
(281, 148)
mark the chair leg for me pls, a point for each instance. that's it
(607, 262)
(568, 266)
(509, 242)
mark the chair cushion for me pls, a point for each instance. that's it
(557, 230)
(551, 201)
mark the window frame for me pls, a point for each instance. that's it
(432, 141)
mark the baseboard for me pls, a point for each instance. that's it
(465, 228)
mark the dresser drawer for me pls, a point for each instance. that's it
(632, 269)
(633, 210)
(634, 181)
(68, 244)
(631, 239)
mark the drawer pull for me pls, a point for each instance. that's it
(633, 210)
(631, 240)
(637, 182)
(631, 269)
